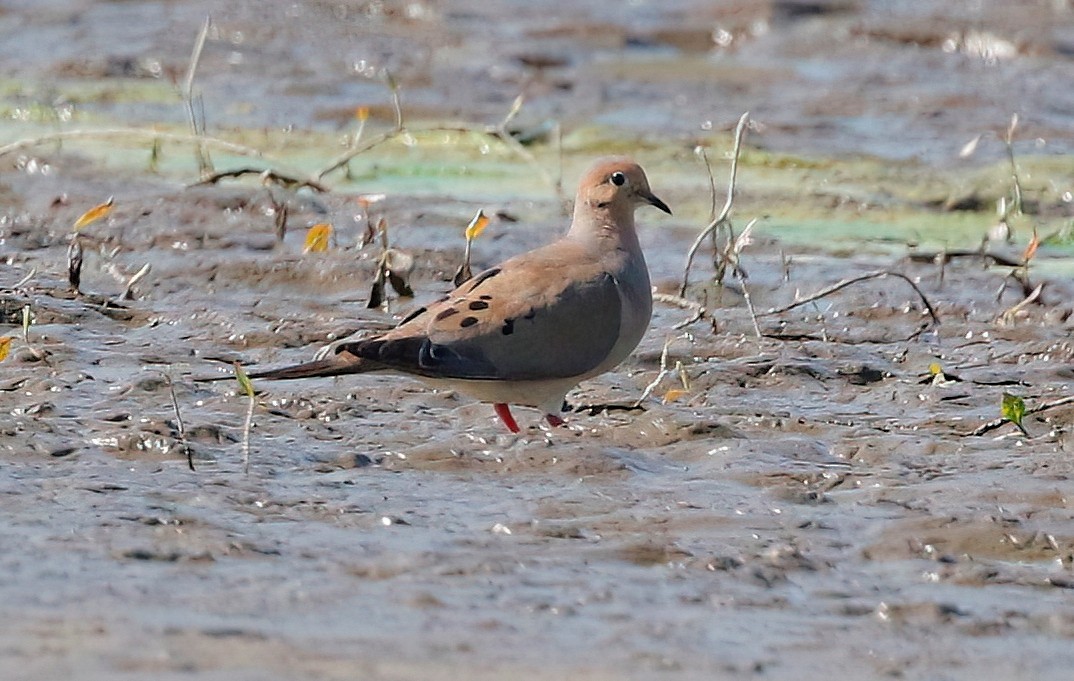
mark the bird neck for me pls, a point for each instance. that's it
(604, 226)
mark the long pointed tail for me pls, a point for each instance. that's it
(315, 369)
(332, 366)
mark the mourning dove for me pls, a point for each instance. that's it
(528, 330)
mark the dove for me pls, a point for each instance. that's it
(528, 330)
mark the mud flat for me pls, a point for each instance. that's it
(810, 500)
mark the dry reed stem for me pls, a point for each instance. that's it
(246, 426)
(180, 425)
(205, 165)
(722, 218)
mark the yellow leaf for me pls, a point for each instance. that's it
(674, 394)
(244, 380)
(101, 210)
(362, 113)
(935, 369)
(5, 347)
(477, 225)
(1031, 248)
(317, 238)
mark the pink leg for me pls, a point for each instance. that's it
(554, 420)
(504, 412)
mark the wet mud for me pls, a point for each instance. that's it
(809, 501)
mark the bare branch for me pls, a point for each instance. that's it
(719, 220)
(684, 304)
(280, 178)
(839, 285)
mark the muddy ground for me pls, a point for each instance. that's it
(810, 503)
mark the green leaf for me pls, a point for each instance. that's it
(1013, 409)
(244, 380)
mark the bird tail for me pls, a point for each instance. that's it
(332, 366)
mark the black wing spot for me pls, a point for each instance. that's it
(485, 296)
(483, 277)
(468, 321)
(479, 305)
(444, 314)
(508, 327)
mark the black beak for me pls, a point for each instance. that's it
(651, 198)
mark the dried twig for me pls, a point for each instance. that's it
(346, 157)
(735, 247)
(501, 133)
(1020, 275)
(272, 175)
(354, 151)
(246, 434)
(824, 338)
(839, 285)
(722, 218)
(280, 212)
(74, 263)
(205, 165)
(1016, 184)
(1008, 315)
(251, 394)
(678, 369)
(25, 280)
(106, 133)
(128, 291)
(947, 256)
(712, 181)
(179, 422)
(996, 423)
(497, 132)
(699, 311)
(27, 319)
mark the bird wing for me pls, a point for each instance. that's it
(551, 313)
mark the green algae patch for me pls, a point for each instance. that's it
(840, 205)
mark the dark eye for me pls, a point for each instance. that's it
(618, 179)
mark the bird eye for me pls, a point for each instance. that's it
(618, 179)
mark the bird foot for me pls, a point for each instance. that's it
(503, 410)
(554, 421)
